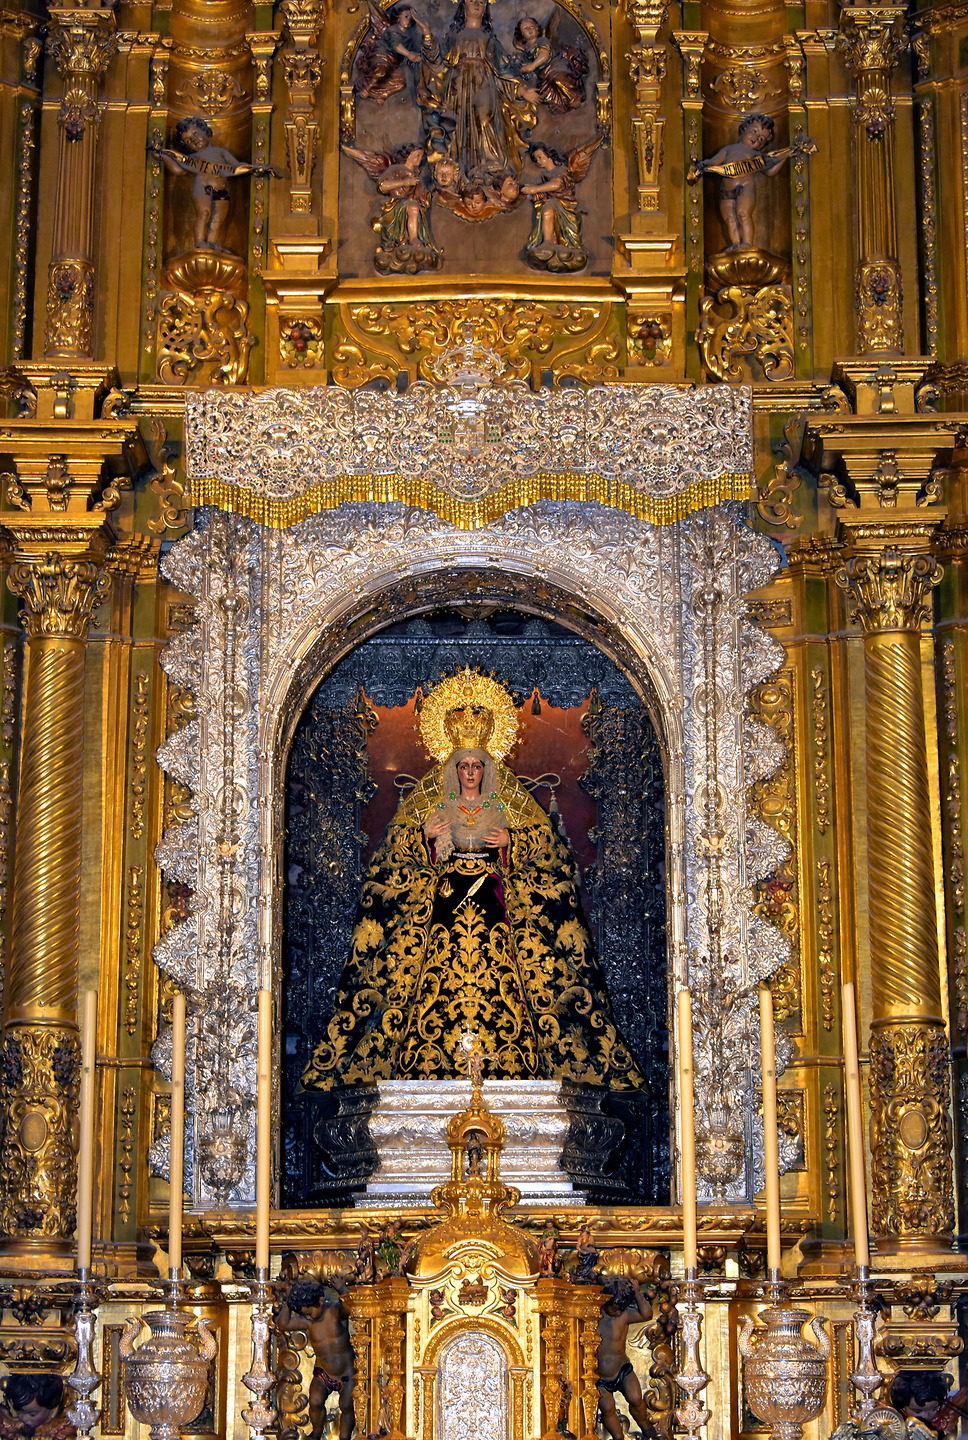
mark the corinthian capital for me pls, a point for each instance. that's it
(890, 590)
(872, 37)
(646, 17)
(59, 594)
(304, 19)
(81, 44)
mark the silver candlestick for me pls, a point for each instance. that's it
(692, 1378)
(866, 1378)
(260, 1379)
(85, 1377)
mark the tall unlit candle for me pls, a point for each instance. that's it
(855, 1129)
(85, 1152)
(263, 1131)
(771, 1138)
(687, 1129)
(176, 1174)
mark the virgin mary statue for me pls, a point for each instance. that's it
(470, 917)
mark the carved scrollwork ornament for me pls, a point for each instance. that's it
(757, 323)
(39, 1080)
(59, 595)
(203, 339)
(70, 308)
(162, 478)
(910, 1131)
(774, 500)
(744, 88)
(890, 590)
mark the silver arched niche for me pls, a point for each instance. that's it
(270, 602)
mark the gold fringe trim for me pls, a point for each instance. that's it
(280, 514)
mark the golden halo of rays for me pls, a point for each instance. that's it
(459, 692)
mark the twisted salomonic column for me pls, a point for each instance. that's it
(912, 1206)
(81, 43)
(39, 1051)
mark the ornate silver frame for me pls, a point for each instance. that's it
(276, 607)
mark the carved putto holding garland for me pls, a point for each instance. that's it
(465, 114)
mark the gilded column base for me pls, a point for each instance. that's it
(39, 1079)
(912, 1181)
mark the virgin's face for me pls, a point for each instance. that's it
(474, 11)
(470, 773)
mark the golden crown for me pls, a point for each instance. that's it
(470, 727)
(468, 711)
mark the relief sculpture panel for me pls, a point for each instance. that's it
(471, 141)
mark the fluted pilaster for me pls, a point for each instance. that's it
(80, 43)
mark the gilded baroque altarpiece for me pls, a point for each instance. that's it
(646, 320)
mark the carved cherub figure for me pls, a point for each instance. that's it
(403, 224)
(555, 242)
(627, 1305)
(320, 1312)
(32, 1409)
(742, 167)
(209, 165)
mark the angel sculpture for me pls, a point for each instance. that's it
(209, 165)
(555, 242)
(548, 75)
(742, 167)
(391, 53)
(403, 224)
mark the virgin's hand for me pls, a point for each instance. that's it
(439, 825)
(498, 838)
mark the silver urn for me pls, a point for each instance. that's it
(166, 1378)
(720, 1149)
(786, 1376)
